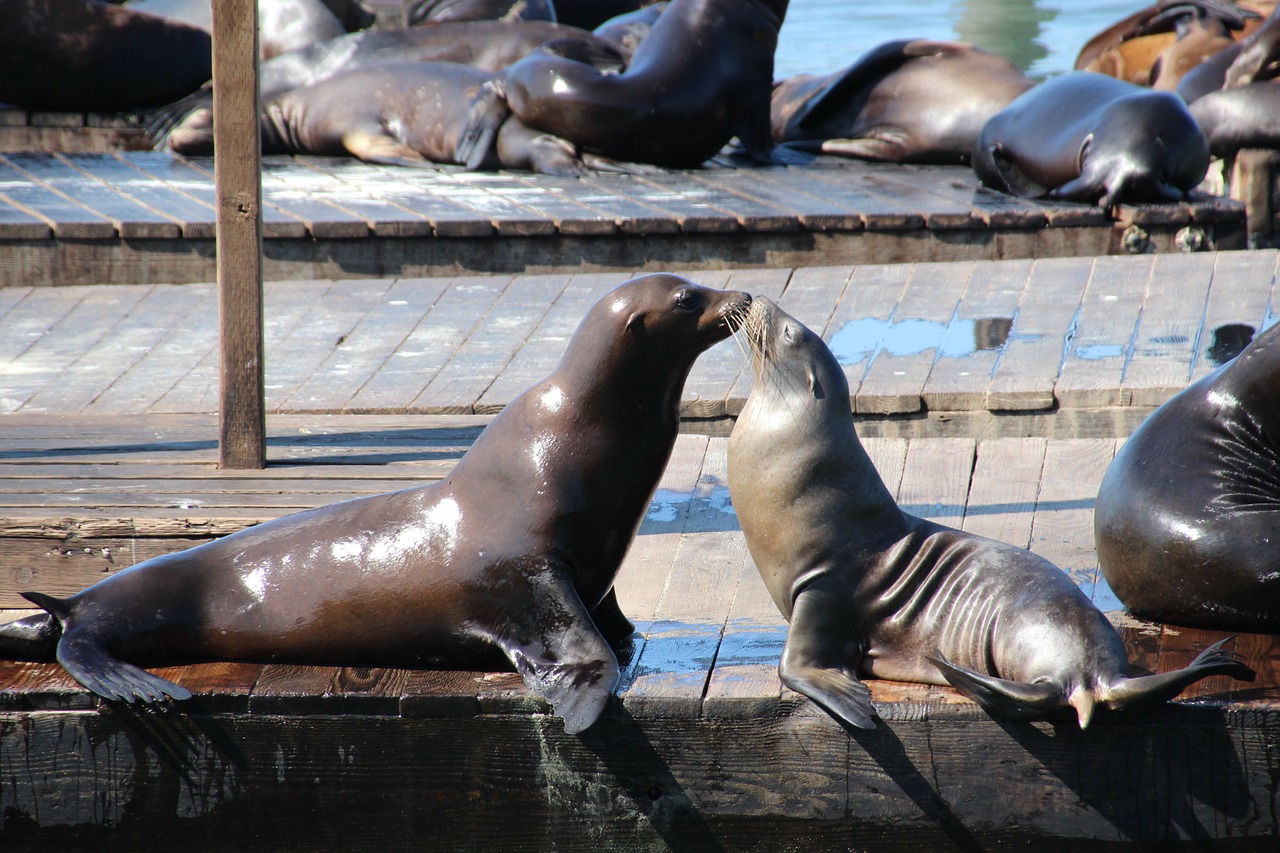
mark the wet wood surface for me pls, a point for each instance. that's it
(147, 217)
(1051, 336)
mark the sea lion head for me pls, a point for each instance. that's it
(789, 358)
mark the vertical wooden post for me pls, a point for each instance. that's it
(237, 176)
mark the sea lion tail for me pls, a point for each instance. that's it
(485, 115)
(1015, 699)
(33, 638)
(1147, 691)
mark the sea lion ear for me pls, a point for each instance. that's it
(635, 322)
(815, 387)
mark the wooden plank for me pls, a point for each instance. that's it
(1003, 489)
(462, 382)
(751, 214)
(384, 217)
(542, 349)
(895, 378)
(974, 341)
(16, 223)
(487, 204)
(1063, 528)
(943, 207)
(238, 188)
(74, 334)
(319, 334)
(29, 321)
(1026, 373)
(1100, 345)
(194, 177)
(889, 455)
(769, 186)
(1172, 315)
(286, 185)
(856, 326)
(130, 219)
(711, 382)
(675, 662)
(878, 212)
(559, 198)
(935, 479)
(65, 218)
(1239, 296)
(194, 218)
(369, 345)
(424, 351)
(120, 346)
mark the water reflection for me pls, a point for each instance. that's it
(1010, 28)
(859, 339)
(1228, 341)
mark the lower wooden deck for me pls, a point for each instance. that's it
(703, 748)
(147, 217)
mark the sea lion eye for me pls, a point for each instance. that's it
(686, 300)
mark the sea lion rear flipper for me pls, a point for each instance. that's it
(558, 650)
(1151, 690)
(375, 147)
(485, 116)
(820, 658)
(1014, 699)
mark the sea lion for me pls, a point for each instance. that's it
(1129, 48)
(82, 55)
(1092, 138)
(632, 28)
(397, 113)
(1244, 117)
(701, 76)
(282, 24)
(871, 590)
(488, 45)
(514, 552)
(906, 101)
(439, 11)
(1188, 512)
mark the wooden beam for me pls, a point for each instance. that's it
(238, 186)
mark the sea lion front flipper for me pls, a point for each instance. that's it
(558, 650)
(881, 143)
(488, 110)
(821, 657)
(611, 621)
(375, 147)
(1014, 699)
(1151, 690)
(997, 170)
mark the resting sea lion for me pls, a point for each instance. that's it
(398, 113)
(1188, 514)
(870, 590)
(701, 76)
(515, 551)
(282, 24)
(1129, 48)
(82, 55)
(1092, 138)
(632, 28)
(907, 101)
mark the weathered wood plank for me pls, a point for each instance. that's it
(65, 218)
(194, 218)
(895, 379)
(1063, 528)
(856, 326)
(1172, 316)
(1003, 489)
(1100, 346)
(1033, 356)
(1239, 300)
(935, 479)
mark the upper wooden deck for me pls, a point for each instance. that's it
(147, 217)
(108, 456)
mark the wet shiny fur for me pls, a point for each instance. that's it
(870, 590)
(515, 551)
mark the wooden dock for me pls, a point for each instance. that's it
(991, 395)
(142, 217)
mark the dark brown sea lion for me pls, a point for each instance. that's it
(870, 590)
(1244, 117)
(398, 113)
(439, 11)
(1092, 138)
(82, 55)
(1187, 521)
(907, 101)
(514, 552)
(590, 14)
(702, 76)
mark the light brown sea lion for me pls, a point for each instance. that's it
(1187, 521)
(1091, 138)
(399, 113)
(906, 101)
(870, 590)
(82, 55)
(702, 76)
(1130, 47)
(512, 555)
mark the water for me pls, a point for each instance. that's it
(1041, 36)
(859, 339)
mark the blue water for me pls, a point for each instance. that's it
(1041, 36)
